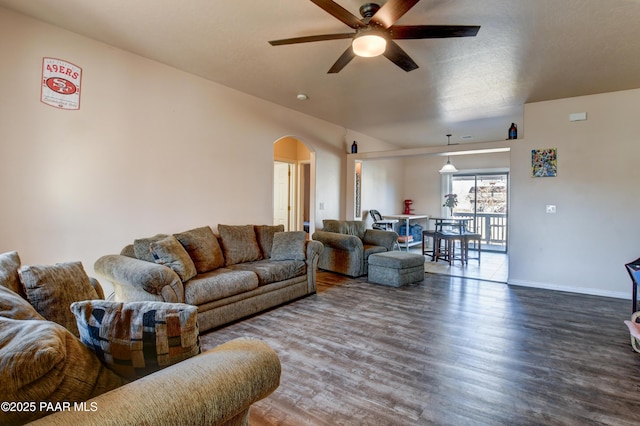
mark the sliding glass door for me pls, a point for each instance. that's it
(482, 197)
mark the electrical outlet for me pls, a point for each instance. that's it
(551, 208)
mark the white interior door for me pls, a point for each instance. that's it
(281, 194)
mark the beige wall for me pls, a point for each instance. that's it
(382, 180)
(152, 149)
(382, 187)
(423, 182)
(584, 246)
(290, 149)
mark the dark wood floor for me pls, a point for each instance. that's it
(446, 351)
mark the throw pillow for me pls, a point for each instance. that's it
(128, 251)
(264, 236)
(43, 361)
(137, 338)
(239, 244)
(289, 245)
(14, 306)
(9, 265)
(169, 252)
(141, 247)
(203, 248)
(51, 289)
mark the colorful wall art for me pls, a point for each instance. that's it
(544, 162)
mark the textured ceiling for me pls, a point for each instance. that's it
(474, 87)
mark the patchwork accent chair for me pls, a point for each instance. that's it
(348, 245)
(633, 268)
(634, 331)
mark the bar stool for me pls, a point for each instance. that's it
(448, 252)
(430, 233)
(468, 237)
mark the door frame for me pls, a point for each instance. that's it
(302, 200)
(312, 182)
(292, 196)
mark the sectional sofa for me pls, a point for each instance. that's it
(235, 273)
(68, 357)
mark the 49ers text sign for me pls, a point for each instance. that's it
(60, 83)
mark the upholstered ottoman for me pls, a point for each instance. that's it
(395, 268)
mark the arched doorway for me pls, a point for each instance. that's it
(293, 185)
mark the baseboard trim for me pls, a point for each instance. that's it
(570, 289)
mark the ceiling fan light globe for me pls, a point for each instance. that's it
(369, 45)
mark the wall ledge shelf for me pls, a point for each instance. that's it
(444, 150)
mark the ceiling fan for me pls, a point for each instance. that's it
(376, 31)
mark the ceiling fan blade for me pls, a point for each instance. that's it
(340, 13)
(342, 61)
(404, 32)
(308, 39)
(391, 12)
(399, 57)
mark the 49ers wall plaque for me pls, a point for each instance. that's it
(60, 84)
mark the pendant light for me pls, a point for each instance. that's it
(448, 168)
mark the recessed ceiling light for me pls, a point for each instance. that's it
(302, 97)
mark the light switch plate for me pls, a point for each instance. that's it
(551, 208)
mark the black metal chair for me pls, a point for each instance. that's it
(633, 268)
(380, 222)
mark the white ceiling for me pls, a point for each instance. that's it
(525, 51)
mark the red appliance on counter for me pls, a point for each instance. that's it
(407, 207)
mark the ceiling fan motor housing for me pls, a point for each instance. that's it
(367, 10)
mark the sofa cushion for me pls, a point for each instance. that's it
(128, 251)
(239, 244)
(51, 289)
(289, 246)
(348, 227)
(169, 252)
(264, 236)
(14, 306)
(142, 249)
(97, 287)
(43, 361)
(137, 338)
(269, 271)
(203, 248)
(218, 284)
(9, 278)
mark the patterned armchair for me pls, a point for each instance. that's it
(348, 245)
